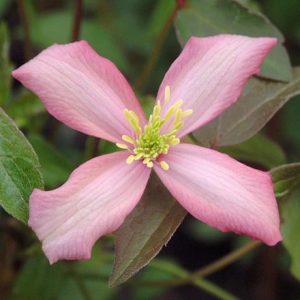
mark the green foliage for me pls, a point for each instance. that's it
(259, 149)
(3, 6)
(145, 231)
(19, 169)
(290, 210)
(286, 178)
(5, 66)
(63, 281)
(24, 107)
(55, 166)
(260, 100)
(161, 12)
(60, 31)
(210, 17)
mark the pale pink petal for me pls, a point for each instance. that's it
(93, 202)
(210, 74)
(222, 192)
(82, 89)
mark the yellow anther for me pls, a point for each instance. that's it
(167, 94)
(128, 139)
(175, 141)
(164, 165)
(150, 164)
(156, 110)
(130, 159)
(121, 146)
(187, 113)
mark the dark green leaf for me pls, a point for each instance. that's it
(286, 178)
(210, 17)
(260, 100)
(5, 66)
(290, 211)
(145, 231)
(19, 169)
(259, 150)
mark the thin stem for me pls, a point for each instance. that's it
(210, 268)
(201, 283)
(77, 20)
(156, 49)
(225, 260)
(213, 289)
(26, 29)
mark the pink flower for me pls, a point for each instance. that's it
(88, 93)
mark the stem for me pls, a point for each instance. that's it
(77, 20)
(26, 29)
(201, 283)
(213, 289)
(156, 49)
(210, 268)
(225, 260)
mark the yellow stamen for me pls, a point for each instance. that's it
(164, 165)
(128, 139)
(130, 159)
(122, 146)
(150, 164)
(167, 94)
(149, 143)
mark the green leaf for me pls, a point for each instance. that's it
(210, 17)
(259, 149)
(290, 212)
(5, 66)
(145, 231)
(260, 100)
(19, 169)
(286, 178)
(55, 166)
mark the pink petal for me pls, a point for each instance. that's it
(94, 201)
(222, 192)
(82, 89)
(210, 74)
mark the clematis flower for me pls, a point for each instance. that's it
(88, 93)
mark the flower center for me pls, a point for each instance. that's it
(149, 143)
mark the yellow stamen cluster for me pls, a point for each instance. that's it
(149, 143)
